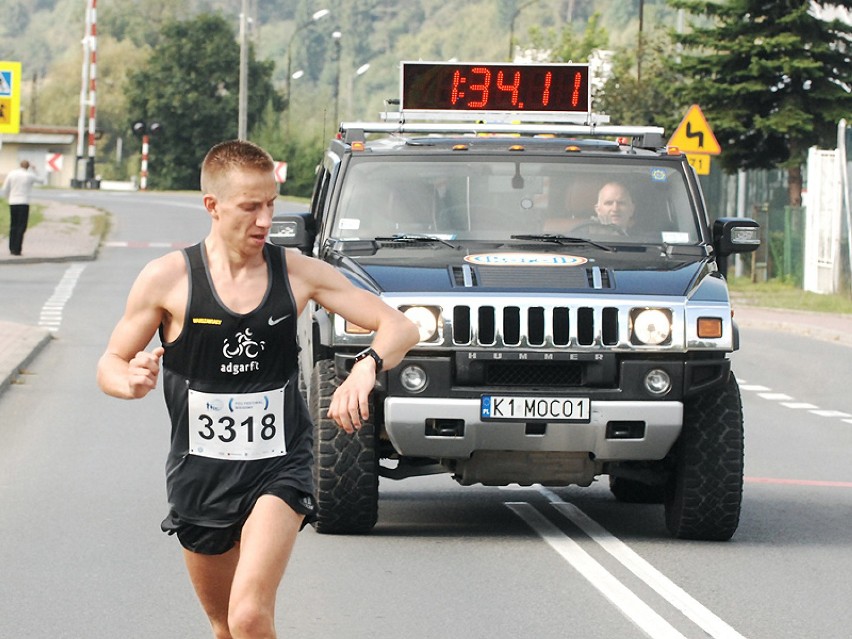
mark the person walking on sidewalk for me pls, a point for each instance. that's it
(17, 188)
(239, 472)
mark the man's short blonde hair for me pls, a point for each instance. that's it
(230, 156)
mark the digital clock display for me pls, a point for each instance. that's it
(442, 86)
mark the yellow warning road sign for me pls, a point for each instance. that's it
(5, 111)
(694, 134)
(10, 97)
(700, 162)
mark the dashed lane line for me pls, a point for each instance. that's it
(764, 392)
(51, 313)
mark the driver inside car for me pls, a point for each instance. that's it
(615, 206)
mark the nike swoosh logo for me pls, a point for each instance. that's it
(273, 322)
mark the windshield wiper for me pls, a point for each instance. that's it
(413, 238)
(562, 240)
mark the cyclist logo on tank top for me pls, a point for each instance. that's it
(244, 347)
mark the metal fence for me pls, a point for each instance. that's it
(763, 196)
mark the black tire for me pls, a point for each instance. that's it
(704, 493)
(346, 467)
(630, 491)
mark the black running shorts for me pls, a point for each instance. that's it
(207, 540)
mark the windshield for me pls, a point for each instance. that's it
(492, 199)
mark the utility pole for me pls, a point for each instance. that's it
(242, 117)
(84, 174)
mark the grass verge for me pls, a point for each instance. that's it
(779, 294)
(36, 216)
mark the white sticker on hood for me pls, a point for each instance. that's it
(524, 259)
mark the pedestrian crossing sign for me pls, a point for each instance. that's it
(5, 83)
(10, 97)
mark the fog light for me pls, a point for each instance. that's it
(413, 379)
(658, 382)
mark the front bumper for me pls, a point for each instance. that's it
(452, 429)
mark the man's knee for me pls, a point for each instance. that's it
(249, 619)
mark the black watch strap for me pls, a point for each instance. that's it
(371, 353)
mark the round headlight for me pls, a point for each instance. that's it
(413, 378)
(651, 326)
(658, 382)
(425, 319)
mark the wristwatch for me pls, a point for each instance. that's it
(370, 353)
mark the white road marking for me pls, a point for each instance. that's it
(627, 557)
(798, 405)
(775, 396)
(640, 613)
(754, 387)
(51, 313)
(786, 401)
(830, 413)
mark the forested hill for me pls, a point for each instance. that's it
(45, 35)
(342, 65)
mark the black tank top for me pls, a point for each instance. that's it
(231, 387)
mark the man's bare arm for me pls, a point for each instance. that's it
(394, 333)
(126, 370)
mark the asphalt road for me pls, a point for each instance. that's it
(82, 495)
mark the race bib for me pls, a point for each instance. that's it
(241, 426)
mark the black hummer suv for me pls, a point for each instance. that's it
(556, 345)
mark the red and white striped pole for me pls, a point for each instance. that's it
(80, 168)
(92, 84)
(143, 171)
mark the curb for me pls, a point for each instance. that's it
(28, 342)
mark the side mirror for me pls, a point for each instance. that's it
(290, 230)
(735, 235)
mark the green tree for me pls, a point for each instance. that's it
(115, 62)
(190, 86)
(647, 100)
(773, 77)
(567, 45)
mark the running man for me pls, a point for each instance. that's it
(239, 478)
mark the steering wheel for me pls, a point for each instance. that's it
(593, 228)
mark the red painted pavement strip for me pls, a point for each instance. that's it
(119, 244)
(798, 482)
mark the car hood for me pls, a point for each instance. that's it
(418, 267)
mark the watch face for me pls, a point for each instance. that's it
(371, 353)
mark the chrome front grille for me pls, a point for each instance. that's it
(537, 326)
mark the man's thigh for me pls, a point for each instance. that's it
(267, 541)
(18, 214)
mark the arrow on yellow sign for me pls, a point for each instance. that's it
(694, 135)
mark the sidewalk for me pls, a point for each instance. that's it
(66, 235)
(830, 327)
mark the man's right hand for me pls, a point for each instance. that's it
(143, 371)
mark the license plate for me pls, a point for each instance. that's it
(529, 408)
